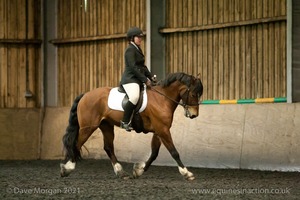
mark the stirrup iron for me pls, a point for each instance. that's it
(126, 126)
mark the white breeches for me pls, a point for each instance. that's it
(133, 92)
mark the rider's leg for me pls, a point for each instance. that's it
(128, 110)
(133, 92)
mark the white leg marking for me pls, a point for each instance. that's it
(66, 169)
(186, 173)
(138, 169)
(70, 165)
(117, 168)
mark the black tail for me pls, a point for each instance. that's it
(71, 135)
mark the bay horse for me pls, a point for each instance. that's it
(90, 111)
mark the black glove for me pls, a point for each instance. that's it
(154, 80)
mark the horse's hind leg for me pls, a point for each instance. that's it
(108, 138)
(84, 134)
(140, 168)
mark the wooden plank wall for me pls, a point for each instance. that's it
(91, 43)
(296, 51)
(19, 53)
(238, 46)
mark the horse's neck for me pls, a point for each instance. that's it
(173, 93)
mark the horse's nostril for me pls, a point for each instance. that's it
(193, 116)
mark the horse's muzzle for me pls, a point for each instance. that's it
(193, 113)
(193, 116)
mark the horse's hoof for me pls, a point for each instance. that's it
(186, 173)
(123, 175)
(138, 169)
(63, 171)
(135, 174)
(120, 173)
(126, 177)
(190, 178)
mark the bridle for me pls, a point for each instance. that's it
(184, 104)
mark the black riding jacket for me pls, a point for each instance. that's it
(135, 69)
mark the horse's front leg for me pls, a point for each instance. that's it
(168, 142)
(140, 168)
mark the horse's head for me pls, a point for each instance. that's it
(190, 95)
(190, 90)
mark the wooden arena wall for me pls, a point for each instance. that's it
(237, 46)
(91, 43)
(20, 53)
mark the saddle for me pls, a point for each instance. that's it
(125, 99)
(118, 98)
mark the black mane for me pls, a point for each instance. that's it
(190, 81)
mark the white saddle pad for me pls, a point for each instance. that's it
(115, 99)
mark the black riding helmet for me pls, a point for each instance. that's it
(134, 31)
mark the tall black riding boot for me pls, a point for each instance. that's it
(128, 110)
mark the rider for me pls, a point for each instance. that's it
(135, 73)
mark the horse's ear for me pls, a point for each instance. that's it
(199, 76)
